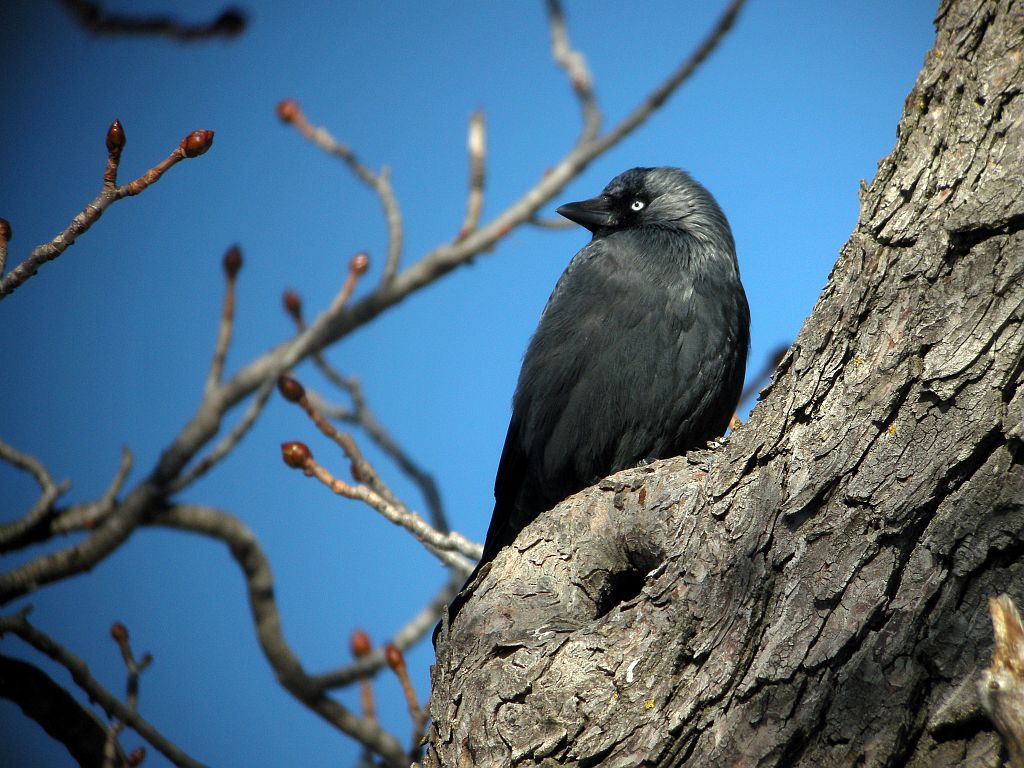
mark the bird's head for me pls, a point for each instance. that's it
(660, 198)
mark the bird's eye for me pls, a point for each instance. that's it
(637, 205)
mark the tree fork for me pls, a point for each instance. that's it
(813, 592)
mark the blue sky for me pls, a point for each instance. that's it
(109, 345)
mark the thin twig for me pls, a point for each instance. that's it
(396, 660)
(404, 638)
(14, 534)
(476, 146)
(451, 548)
(290, 112)
(681, 74)
(361, 648)
(228, 442)
(232, 264)
(193, 145)
(134, 668)
(91, 16)
(88, 515)
(29, 463)
(294, 392)
(361, 415)
(575, 65)
(20, 626)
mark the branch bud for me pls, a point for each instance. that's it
(360, 263)
(115, 138)
(288, 110)
(119, 632)
(295, 454)
(360, 643)
(5, 230)
(232, 22)
(394, 658)
(232, 260)
(290, 389)
(197, 143)
(293, 304)
(136, 757)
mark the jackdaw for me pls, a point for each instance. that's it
(639, 354)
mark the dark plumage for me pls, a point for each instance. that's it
(639, 353)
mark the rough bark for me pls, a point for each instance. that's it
(814, 591)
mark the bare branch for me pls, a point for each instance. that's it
(290, 112)
(20, 626)
(246, 550)
(228, 442)
(361, 648)
(134, 667)
(81, 516)
(683, 73)
(77, 727)
(193, 145)
(575, 65)
(14, 534)
(437, 262)
(441, 545)
(90, 15)
(294, 392)
(396, 660)
(1001, 686)
(477, 148)
(404, 638)
(232, 265)
(361, 415)
(29, 463)
(328, 328)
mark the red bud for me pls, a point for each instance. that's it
(119, 631)
(290, 389)
(115, 137)
(233, 260)
(5, 230)
(136, 756)
(360, 643)
(394, 657)
(360, 262)
(197, 143)
(295, 455)
(288, 110)
(293, 304)
(356, 474)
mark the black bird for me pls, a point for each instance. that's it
(639, 354)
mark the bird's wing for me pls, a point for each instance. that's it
(627, 364)
(565, 354)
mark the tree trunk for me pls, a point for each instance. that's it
(814, 591)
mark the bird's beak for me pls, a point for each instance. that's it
(594, 214)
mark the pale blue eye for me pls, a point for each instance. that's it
(637, 205)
